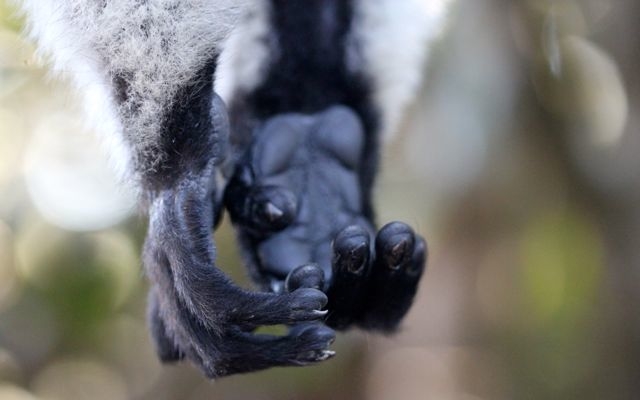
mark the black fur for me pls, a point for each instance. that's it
(309, 74)
(305, 147)
(193, 135)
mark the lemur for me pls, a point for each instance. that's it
(273, 110)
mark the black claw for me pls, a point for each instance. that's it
(394, 244)
(350, 267)
(395, 276)
(398, 254)
(351, 249)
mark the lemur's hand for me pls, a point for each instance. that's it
(296, 198)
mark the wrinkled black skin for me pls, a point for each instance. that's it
(295, 199)
(363, 277)
(327, 184)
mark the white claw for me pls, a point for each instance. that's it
(320, 313)
(326, 354)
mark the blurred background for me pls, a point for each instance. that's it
(520, 164)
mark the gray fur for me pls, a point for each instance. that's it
(155, 46)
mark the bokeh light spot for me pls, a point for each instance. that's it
(79, 380)
(68, 177)
(562, 260)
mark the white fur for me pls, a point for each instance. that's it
(391, 39)
(158, 45)
(245, 55)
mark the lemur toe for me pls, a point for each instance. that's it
(301, 305)
(272, 208)
(307, 304)
(237, 351)
(313, 342)
(262, 208)
(305, 276)
(351, 267)
(303, 345)
(399, 264)
(351, 251)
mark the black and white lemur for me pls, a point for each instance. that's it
(272, 110)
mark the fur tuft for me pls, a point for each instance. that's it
(390, 44)
(130, 58)
(245, 55)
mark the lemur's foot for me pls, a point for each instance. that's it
(197, 313)
(225, 343)
(296, 199)
(400, 259)
(372, 288)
